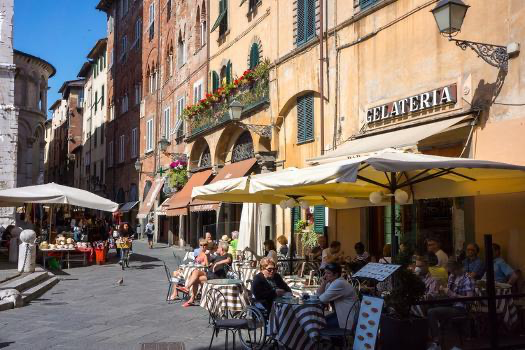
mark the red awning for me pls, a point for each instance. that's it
(147, 204)
(178, 203)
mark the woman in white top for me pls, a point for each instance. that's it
(387, 255)
(269, 251)
(335, 289)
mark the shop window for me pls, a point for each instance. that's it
(319, 218)
(222, 19)
(305, 118)
(254, 55)
(305, 21)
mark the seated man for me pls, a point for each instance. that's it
(335, 289)
(332, 254)
(431, 284)
(361, 259)
(268, 284)
(219, 265)
(317, 251)
(459, 285)
(472, 263)
(503, 273)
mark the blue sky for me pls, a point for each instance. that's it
(61, 32)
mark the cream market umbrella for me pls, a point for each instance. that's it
(250, 232)
(53, 193)
(387, 175)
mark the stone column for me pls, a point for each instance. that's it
(266, 161)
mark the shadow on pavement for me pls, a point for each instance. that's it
(6, 344)
(144, 267)
(142, 258)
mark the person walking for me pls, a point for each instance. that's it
(150, 229)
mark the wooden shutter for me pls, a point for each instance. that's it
(301, 20)
(254, 56)
(309, 117)
(300, 120)
(229, 72)
(366, 3)
(215, 81)
(296, 215)
(305, 118)
(310, 19)
(319, 218)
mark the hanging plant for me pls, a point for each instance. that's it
(178, 174)
(309, 239)
(300, 226)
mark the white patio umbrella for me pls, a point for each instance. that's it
(53, 193)
(383, 177)
(250, 231)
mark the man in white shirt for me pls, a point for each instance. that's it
(434, 246)
(332, 254)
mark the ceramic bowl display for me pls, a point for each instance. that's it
(52, 246)
(69, 240)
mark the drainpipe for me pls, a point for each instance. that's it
(321, 69)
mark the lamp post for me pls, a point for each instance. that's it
(449, 16)
(235, 110)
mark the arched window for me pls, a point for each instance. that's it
(243, 148)
(198, 37)
(226, 73)
(147, 187)
(181, 52)
(205, 160)
(169, 62)
(254, 55)
(204, 25)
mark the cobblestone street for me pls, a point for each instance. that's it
(87, 310)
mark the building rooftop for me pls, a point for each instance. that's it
(83, 73)
(99, 47)
(55, 105)
(104, 5)
(46, 64)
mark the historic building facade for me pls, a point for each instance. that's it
(94, 71)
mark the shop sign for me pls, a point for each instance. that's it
(413, 104)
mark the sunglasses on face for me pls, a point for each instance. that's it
(203, 245)
(271, 269)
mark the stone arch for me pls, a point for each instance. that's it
(290, 104)
(227, 140)
(199, 147)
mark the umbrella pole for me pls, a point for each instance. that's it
(491, 292)
(393, 184)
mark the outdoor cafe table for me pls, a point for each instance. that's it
(295, 323)
(505, 307)
(233, 291)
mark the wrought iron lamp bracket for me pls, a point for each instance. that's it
(261, 130)
(495, 55)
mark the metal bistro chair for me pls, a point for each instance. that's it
(341, 333)
(171, 282)
(254, 336)
(216, 306)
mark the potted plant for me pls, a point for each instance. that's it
(178, 175)
(300, 225)
(400, 329)
(309, 241)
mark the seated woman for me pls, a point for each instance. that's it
(202, 259)
(268, 284)
(283, 241)
(335, 289)
(218, 268)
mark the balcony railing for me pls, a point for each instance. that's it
(253, 98)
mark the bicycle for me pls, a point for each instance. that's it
(124, 244)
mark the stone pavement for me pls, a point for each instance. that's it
(87, 310)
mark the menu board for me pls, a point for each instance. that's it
(368, 323)
(376, 271)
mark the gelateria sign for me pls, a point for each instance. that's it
(414, 104)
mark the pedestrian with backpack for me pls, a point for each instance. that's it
(150, 228)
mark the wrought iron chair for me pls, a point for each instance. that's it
(171, 282)
(218, 312)
(254, 336)
(341, 333)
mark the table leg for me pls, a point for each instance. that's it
(67, 257)
(44, 254)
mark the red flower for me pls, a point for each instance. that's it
(236, 82)
(203, 100)
(209, 95)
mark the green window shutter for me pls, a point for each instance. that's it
(296, 215)
(366, 3)
(229, 72)
(305, 118)
(309, 117)
(222, 14)
(319, 218)
(310, 19)
(102, 97)
(96, 101)
(254, 56)
(215, 81)
(300, 22)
